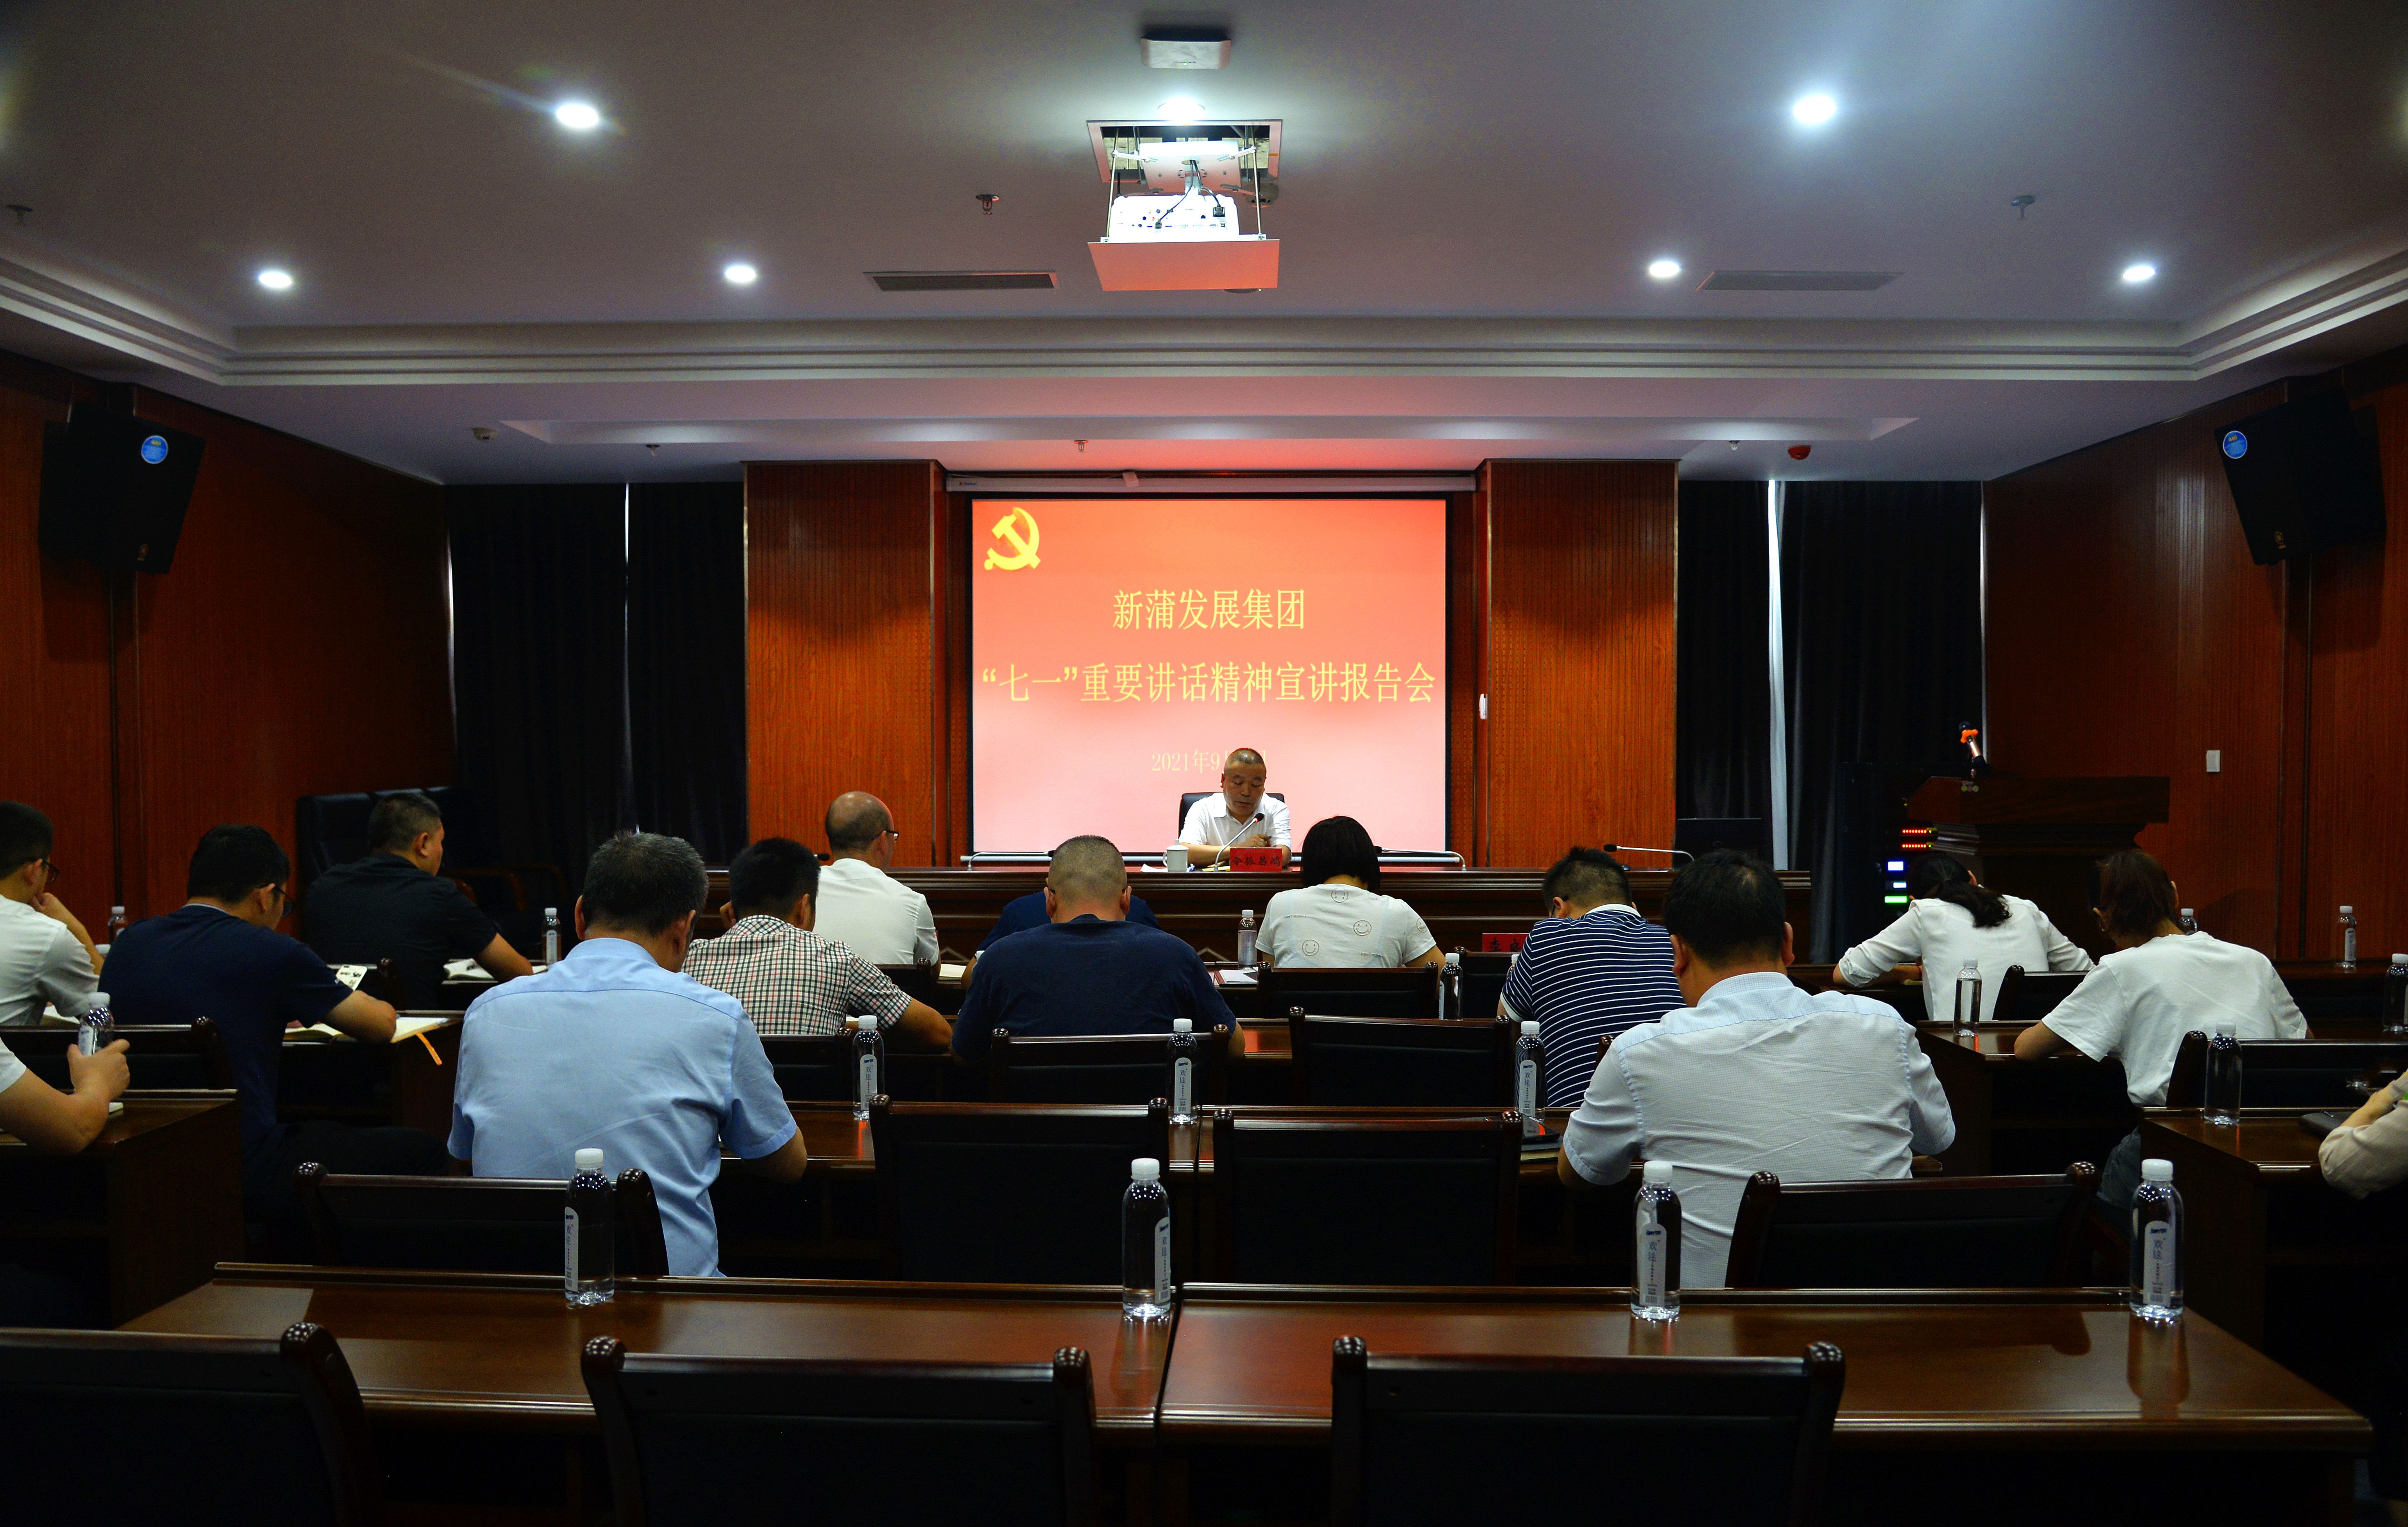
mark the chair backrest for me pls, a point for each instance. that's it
(1701, 1440)
(2028, 995)
(1479, 982)
(236, 1427)
(2291, 1072)
(1365, 1197)
(331, 829)
(1400, 1063)
(159, 1057)
(1188, 798)
(1099, 1067)
(1915, 1233)
(974, 1192)
(711, 1440)
(466, 1224)
(919, 982)
(812, 1068)
(1374, 993)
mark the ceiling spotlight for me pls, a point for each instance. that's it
(2140, 271)
(576, 116)
(1181, 109)
(275, 279)
(1664, 270)
(741, 274)
(1814, 110)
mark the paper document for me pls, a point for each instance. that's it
(351, 975)
(403, 1028)
(1234, 978)
(951, 974)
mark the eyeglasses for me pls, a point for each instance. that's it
(53, 871)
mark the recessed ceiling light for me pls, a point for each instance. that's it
(1181, 109)
(2140, 271)
(1814, 110)
(741, 274)
(275, 279)
(1664, 270)
(576, 116)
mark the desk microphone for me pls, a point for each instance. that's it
(1245, 827)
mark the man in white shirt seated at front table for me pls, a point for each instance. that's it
(859, 904)
(1219, 823)
(1754, 1075)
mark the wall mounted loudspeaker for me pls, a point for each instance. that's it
(2305, 476)
(114, 489)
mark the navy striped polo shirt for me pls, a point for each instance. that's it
(1583, 977)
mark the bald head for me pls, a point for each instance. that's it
(857, 821)
(1087, 876)
(1244, 757)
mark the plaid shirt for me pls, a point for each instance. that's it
(791, 982)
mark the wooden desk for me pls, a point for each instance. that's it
(144, 1212)
(2024, 1116)
(2326, 993)
(352, 1083)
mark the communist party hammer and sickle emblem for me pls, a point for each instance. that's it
(1024, 547)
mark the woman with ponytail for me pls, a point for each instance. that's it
(1953, 918)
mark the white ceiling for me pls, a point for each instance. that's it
(1469, 198)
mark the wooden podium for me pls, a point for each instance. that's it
(2039, 837)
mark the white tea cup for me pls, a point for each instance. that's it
(1174, 858)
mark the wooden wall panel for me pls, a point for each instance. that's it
(1581, 656)
(1467, 538)
(840, 646)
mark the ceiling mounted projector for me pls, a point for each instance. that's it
(1178, 194)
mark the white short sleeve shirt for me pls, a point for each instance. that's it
(1209, 822)
(1940, 936)
(40, 961)
(2140, 1001)
(875, 916)
(1341, 926)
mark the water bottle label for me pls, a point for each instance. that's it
(1651, 1263)
(1182, 1087)
(1526, 1087)
(1161, 1256)
(869, 1079)
(2157, 1265)
(568, 1250)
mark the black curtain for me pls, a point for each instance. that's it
(685, 662)
(1881, 601)
(1724, 743)
(539, 668)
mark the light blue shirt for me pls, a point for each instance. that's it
(608, 1050)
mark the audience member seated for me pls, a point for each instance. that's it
(1337, 918)
(2158, 984)
(2369, 1151)
(45, 954)
(1023, 912)
(860, 905)
(1953, 918)
(2367, 1154)
(1594, 967)
(220, 956)
(394, 905)
(1754, 1075)
(614, 1048)
(1219, 823)
(55, 1123)
(790, 980)
(1089, 970)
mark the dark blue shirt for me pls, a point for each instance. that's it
(1023, 912)
(1086, 977)
(1581, 978)
(198, 962)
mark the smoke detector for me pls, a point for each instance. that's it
(1178, 199)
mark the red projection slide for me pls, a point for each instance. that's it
(1121, 647)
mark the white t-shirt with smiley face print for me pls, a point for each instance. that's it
(1333, 926)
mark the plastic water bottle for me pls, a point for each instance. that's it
(1146, 1286)
(1656, 1252)
(2349, 938)
(2156, 1243)
(1183, 1071)
(2223, 1073)
(868, 1064)
(2189, 923)
(1246, 937)
(1450, 985)
(551, 936)
(95, 1029)
(1968, 996)
(116, 928)
(2395, 996)
(589, 1233)
(1529, 1060)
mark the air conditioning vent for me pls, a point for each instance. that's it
(962, 281)
(1796, 280)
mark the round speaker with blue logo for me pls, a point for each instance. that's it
(2236, 444)
(155, 450)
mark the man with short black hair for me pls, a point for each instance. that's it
(1754, 1075)
(790, 980)
(394, 903)
(45, 954)
(858, 903)
(1594, 967)
(612, 1048)
(1089, 970)
(220, 956)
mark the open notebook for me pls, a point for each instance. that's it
(408, 1026)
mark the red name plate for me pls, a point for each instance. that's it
(1256, 859)
(1502, 943)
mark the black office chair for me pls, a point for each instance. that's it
(1474, 984)
(1188, 798)
(2291, 1072)
(1400, 1063)
(159, 1057)
(1699, 1440)
(466, 1224)
(1110, 1067)
(1373, 993)
(1364, 1198)
(198, 1428)
(1915, 1233)
(2028, 995)
(711, 1440)
(971, 1192)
